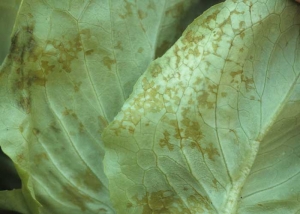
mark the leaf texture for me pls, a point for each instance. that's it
(70, 67)
(213, 125)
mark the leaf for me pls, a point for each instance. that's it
(70, 67)
(19, 202)
(213, 125)
(8, 12)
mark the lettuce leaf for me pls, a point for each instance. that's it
(70, 67)
(211, 125)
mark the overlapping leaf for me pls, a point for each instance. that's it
(71, 66)
(213, 125)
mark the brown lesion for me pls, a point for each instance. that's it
(140, 50)
(25, 103)
(211, 151)
(109, 62)
(198, 202)
(66, 50)
(77, 86)
(119, 46)
(74, 196)
(191, 128)
(20, 158)
(235, 76)
(81, 128)
(142, 14)
(151, 5)
(54, 128)
(25, 53)
(155, 70)
(175, 11)
(162, 201)
(203, 100)
(38, 158)
(89, 180)
(165, 142)
(128, 10)
(89, 52)
(190, 37)
(69, 112)
(35, 131)
(248, 81)
(86, 33)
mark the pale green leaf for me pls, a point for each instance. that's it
(213, 125)
(17, 197)
(8, 12)
(70, 67)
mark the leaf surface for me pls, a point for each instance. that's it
(70, 67)
(213, 125)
